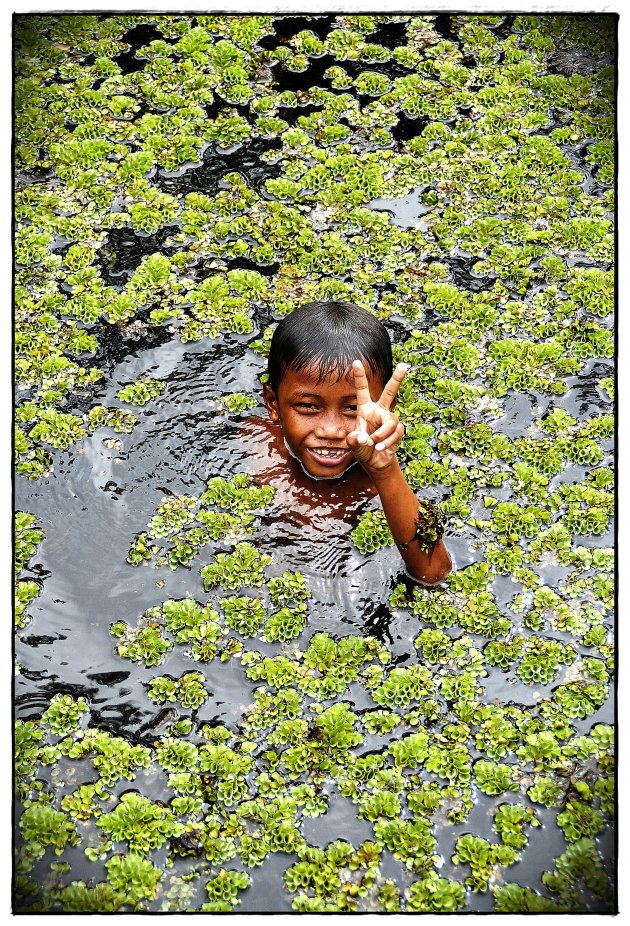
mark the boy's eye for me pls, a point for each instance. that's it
(351, 408)
(307, 405)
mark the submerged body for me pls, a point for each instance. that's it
(307, 527)
(301, 495)
(341, 432)
(306, 439)
(330, 393)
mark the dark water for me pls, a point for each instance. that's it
(99, 498)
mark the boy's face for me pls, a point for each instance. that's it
(316, 415)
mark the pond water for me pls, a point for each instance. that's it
(102, 493)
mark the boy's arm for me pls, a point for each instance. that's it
(374, 444)
(400, 506)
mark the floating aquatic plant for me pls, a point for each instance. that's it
(495, 777)
(43, 826)
(482, 856)
(77, 897)
(26, 540)
(244, 567)
(509, 822)
(190, 523)
(142, 391)
(133, 876)
(433, 894)
(140, 823)
(145, 645)
(541, 659)
(189, 690)
(236, 402)
(508, 277)
(223, 890)
(245, 615)
(57, 429)
(64, 713)
(372, 532)
(120, 419)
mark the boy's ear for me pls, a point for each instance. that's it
(271, 402)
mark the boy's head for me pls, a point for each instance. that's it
(329, 336)
(310, 391)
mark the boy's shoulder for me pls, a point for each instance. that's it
(262, 445)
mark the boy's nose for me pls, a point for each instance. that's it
(331, 426)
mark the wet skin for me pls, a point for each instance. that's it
(318, 430)
(327, 425)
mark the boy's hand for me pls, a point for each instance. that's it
(378, 431)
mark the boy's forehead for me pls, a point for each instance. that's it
(310, 378)
(313, 376)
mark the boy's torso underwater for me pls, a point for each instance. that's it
(308, 525)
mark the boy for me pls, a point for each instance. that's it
(330, 396)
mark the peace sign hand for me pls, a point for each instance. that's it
(378, 431)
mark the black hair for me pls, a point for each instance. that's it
(329, 336)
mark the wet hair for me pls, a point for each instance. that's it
(329, 336)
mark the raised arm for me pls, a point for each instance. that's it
(414, 525)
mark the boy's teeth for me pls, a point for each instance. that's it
(329, 453)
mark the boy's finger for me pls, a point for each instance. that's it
(359, 437)
(391, 442)
(390, 391)
(388, 427)
(361, 383)
(361, 445)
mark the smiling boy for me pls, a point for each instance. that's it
(331, 391)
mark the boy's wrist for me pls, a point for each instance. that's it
(385, 477)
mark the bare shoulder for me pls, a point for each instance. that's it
(263, 447)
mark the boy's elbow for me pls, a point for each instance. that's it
(434, 578)
(437, 569)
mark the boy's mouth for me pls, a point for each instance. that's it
(328, 456)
